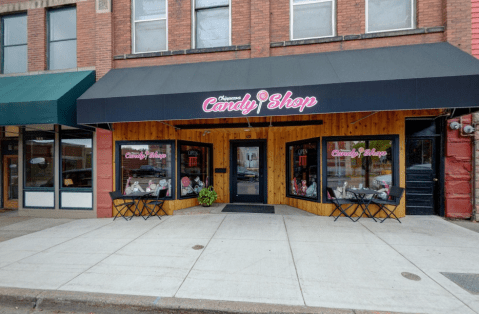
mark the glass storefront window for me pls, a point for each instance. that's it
(76, 153)
(303, 170)
(144, 167)
(194, 169)
(39, 161)
(359, 164)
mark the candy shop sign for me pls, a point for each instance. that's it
(358, 153)
(145, 155)
(246, 105)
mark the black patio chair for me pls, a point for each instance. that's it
(338, 203)
(122, 208)
(396, 194)
(154, 207)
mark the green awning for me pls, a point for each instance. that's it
(42, 98)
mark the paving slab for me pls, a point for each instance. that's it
(252, 227)
(243, 270)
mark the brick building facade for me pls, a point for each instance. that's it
(259, 29)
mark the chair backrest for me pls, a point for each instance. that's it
(331, 193)
(115, 195)
(162, 193)
(396, 193)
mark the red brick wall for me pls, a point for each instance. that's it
(458, 170)
(458, 23)
(86, 45)
(260, 38)
(36, 39)
(475, 27)
(104, 172)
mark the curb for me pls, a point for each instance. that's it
(101, 303)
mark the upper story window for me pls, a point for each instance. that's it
(150, 25)
(389, 15)
(312, 18)
(212, 23)
(14, 43)
(62, 38)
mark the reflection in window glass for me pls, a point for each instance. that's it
(385, 15)
(212, 23)
(195, 162)
(303, 170)
(359, 164)
(145, 167)
(76, 150)
(312, 19)
(150, 26)
(39, 159)
(419, 156)
(14, 43)
(62, 39)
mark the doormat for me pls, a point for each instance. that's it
(256, 209)
(468, 282)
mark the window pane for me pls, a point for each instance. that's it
(312, 20)
(210, 3)
(150, 36)
(359, 164)
(212, 28)
(389, 15)
(303, 170)
(15, 30)
(150, 9)
(63, 55)
(63, 24)
(144, 167)
(15, 59)
(419, 156)
(194, 169)
(247, 178)
(76, 160)
(39, 160)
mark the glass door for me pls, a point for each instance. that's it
(247, 172)
(10, 182)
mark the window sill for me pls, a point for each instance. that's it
(304, 198)
(417, 31)
(181, 52)
(49, 71)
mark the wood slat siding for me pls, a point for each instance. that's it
(381, 123)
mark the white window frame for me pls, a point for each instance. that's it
(193, 24)
(133, 25)
(413, 19)
(291, 16)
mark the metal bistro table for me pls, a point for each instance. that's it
(138, 197)
(361, 196)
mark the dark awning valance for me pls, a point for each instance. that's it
(393, 78)
(42, 98)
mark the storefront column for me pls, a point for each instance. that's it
(20, 169)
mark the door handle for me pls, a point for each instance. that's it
(435, 179)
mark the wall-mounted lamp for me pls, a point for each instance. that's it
(468, 129)
(206, 132)
(455, 126)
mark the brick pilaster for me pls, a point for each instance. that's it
(260, 28)
(36, 19)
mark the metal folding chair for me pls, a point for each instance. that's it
(154, 207)
(122, 208)
(396, 194)
(338, 203)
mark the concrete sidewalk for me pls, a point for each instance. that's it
(301, 262)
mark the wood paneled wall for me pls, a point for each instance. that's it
(341, 124)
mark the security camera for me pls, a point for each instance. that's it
(455, 126)
(468, 129)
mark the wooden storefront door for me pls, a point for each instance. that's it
(10, 182)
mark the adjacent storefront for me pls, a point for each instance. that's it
(281, 130)
(49, 170)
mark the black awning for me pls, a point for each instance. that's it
(425, 76)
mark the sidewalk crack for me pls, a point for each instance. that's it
(294, 263)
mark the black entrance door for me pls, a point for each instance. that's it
(421, 178)
(248, 164)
